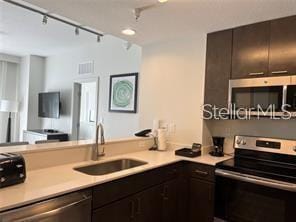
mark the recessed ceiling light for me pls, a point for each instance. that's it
(128, 31)
(162, 1)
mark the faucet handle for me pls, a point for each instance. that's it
(102, 153)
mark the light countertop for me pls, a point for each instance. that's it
(31, 148)
(50, 182)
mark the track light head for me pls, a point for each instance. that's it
(127, 45)
(44, 20)
(76, 31)
(98, 38)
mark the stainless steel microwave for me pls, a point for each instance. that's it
(276, 91)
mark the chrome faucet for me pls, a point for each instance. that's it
(96, 151)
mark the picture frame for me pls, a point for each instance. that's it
(123, 93)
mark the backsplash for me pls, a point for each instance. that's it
(285, 129)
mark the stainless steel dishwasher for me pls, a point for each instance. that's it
(74, 207)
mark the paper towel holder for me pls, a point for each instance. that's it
(148, 133)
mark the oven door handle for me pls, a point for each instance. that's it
(256, 180)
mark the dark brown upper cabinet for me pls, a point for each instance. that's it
(250, 51)
(282, 56)
(218, 68)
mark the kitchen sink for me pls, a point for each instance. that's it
(109, 167)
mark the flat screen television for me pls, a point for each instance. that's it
(49, 105)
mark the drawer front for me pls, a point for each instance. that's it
(115, 190)
(201, 171)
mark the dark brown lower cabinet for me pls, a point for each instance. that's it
(148, 205)
(201, 200)
(122, 210)
(180, 193)
(170, 202)
(157, 204)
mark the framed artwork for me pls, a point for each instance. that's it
(123, 93)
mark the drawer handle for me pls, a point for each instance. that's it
(132, 216)
(256, 73)
(165, 193)
(202, 173)
(280, 72)
(138, 206)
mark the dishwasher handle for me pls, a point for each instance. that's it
(75, 205)
(54, 211)
(256, 180)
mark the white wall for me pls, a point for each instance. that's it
(9, 75)
(110, 57)
(30, 84)
(23, 94)
(36, 85)
(172, 77)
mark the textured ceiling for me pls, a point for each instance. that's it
(174, 19)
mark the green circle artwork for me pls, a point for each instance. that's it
(122, 93)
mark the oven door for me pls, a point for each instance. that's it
(241, 201)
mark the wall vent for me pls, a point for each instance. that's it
(86, 68)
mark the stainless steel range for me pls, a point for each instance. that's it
(259, 183)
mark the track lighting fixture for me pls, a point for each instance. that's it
(98, 38)
(46, 15)
(76, 31)
(127, 45)
(44, 20)
(138, 11)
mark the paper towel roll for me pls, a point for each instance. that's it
(155, 127)
(162, 140)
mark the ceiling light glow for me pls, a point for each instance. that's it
(162, 1)
(128, 31)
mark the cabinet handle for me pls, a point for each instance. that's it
(165, 193)
(256, 73)
(279, 72)
(202, 173)
(132, 210)
(138, 206)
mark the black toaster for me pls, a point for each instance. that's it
(12, 169)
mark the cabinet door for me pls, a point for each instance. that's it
(218, 68)
(250, 51)
(201, 201)
(122, 210)
(282, 47)
(148, 205)
(170, 201)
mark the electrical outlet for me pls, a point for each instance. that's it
(172, 128)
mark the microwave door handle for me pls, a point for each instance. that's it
(256, 73)
(280, 72)
(256, 180)
(53, 212)
(284, 99)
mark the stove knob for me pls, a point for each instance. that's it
(244, 142)
(294, 148)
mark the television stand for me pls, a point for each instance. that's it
(32, 136)
(50, 131)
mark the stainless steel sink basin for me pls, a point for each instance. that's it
(109, 167)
